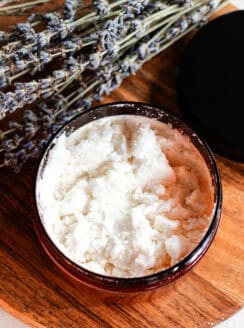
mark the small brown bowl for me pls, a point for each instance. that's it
(113, 288)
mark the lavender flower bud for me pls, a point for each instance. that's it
(31, 18)
(42, 143)
(213, 4)
(101, 7)
(70, 8)
(113, 51)
(129, 67)
(204, 10)
(194, 17)
(182, 24)
(59, 75)
(44, 57)
(20, 95)
(143, 51)
(95, 60)
(30, 98)
(30, 129)
(63, 29)
(8, 144)
(20, 65)
(3, 81)
(26, 32)
(43, 39)
(46, 83)
(172, 33)
(22, 52)
(73, 65)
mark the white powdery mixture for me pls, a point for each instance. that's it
(125, 196)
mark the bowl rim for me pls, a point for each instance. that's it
(146, 282)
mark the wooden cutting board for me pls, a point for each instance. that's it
(32, 288)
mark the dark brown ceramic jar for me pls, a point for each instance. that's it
(113, 288)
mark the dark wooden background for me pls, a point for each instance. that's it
(32, 288)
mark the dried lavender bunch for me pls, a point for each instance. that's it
(115, 35)
(23, 140)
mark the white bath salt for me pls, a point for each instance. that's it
(125, 196)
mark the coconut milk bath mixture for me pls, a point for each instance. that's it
(125, 196)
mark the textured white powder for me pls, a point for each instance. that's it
(125, 196)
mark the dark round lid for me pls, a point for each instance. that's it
(211, 84)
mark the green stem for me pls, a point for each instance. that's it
(24, 5)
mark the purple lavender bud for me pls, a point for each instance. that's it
(59, 75)
(143, 51)
(23, 27)
(13, 105)
(3, 81)
(35, 152)
(101, 7)
(44, 57)
(95, 60)
(30, 98)
(136, 24)
(20, 95)
(63, 29)
(31, 18)
(46, 83)
(154, 47)
(29, 145)
(194, 17)
(20, 65)
(22, 52)
(172, 33)
(204, 10)
(8, 144)
(213, 4)
(70, 8)
(30, 129)
(42, 40)
(69, 45)
(42, 143)
(30, 116)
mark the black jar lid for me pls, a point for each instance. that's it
(211, 84)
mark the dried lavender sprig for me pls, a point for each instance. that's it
(28, 92)
(31, 63)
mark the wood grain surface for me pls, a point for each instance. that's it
(33, 289)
